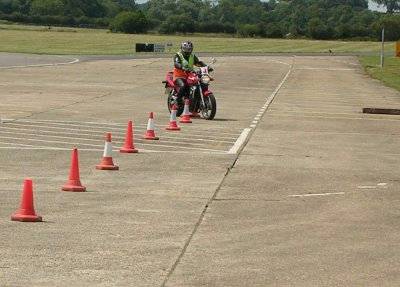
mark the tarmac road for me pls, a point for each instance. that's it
(310, 201)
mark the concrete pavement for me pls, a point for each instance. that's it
(311, 200)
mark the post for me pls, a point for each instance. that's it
(383, 48)
(398, 49)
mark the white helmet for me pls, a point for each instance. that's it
(187, 47)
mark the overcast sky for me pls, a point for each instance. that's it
(374, 6)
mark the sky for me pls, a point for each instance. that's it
(374, 6)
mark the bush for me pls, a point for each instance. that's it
(210, 27)
(319, 30)
(273, 31)
(178, 23)
(130, 22)
(214, 27)
(47, 7)
(248, 30)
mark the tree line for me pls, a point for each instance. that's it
(316, 19)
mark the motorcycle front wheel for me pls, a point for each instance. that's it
(210, 109)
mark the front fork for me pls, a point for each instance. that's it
(193, 95)
(201, 95)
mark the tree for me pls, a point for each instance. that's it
(391, 23)
(89, 8)
(319, 30)
(47, 7)
(130, 22)
(178, 23)
(248, 30)
(391, 5)
(127, 4)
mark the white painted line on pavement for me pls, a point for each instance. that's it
(240, 141)
(326, 69)
(280, 62)
(96, 145)
(367, 187)
(316, 194)
(100, 150)
(194, 142)
(49, 141)
(48, 148)
(119, 133)
(118, 130)
(246, 132)
(4, 121)
(117, 126)
(18, 144)
(75, 60)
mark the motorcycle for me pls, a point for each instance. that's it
(202, 100)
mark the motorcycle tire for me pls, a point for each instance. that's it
(208, 112)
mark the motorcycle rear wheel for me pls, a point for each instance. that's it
(210, 109)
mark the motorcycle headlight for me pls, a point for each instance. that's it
(205, 79)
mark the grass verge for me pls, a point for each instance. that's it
(75, 41)
(390, 74)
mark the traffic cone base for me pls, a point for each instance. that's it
(150, 136)
(107, 164)
(73, 185)
(128, 150)
(26, 218)
(107, 167)
(26, 212)
(173, 128)
(185, 118)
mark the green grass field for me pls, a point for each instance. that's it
(62, 41)
(75, 41)
(390, 74)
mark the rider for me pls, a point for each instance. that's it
(184, 62)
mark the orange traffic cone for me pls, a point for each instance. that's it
(150, 134)
(129, 146)
(172, 122)
(185, 119)
(107, 160)
(74, 182)
(26, 211)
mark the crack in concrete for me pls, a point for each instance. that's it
(214, 196)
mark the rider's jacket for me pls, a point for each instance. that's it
(182, 63)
